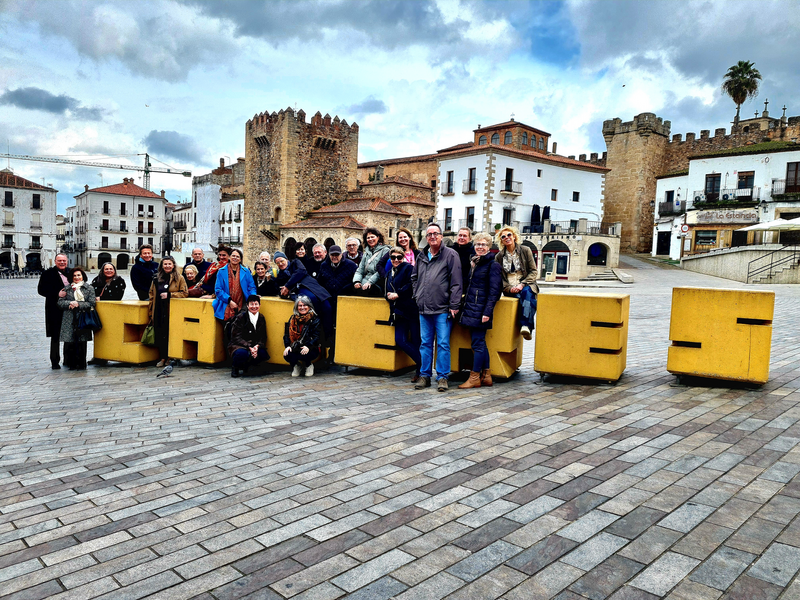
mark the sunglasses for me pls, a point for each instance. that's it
(397, 257)
(506, 236)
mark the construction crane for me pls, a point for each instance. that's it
(147, 168)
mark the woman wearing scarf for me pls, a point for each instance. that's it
(368, 280)
(194, 284)
(483, 285)
(210, 278)
(519, 275)
(301, 337)
(404, 311)
(167, 284)
(79, 296)
(234, 285)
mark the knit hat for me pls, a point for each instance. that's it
(278, 255)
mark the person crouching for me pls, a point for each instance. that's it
(248, 345)
(301, 337)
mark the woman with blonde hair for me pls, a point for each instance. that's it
(519, 275)
(167, 284)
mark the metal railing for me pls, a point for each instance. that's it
(779, 187)
(563, 227)
(466, 223)
(510, 187)
(179, 226)
(36, 246)
(37, 226)
(671, 208)
(765, 265)
(729, 195)
(448, 187)
(469, 186)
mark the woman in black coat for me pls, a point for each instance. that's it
(301, 337)
(405, 314)
(108, 285)
(484, 285)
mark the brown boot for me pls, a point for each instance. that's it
(474, 381)
(486, 378)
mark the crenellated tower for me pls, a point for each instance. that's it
(293, 167)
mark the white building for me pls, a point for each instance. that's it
(488, 183)
(29, 223)
(218, 206)
(723, 192)
(182, 236)
(230, 220)
(112, 222)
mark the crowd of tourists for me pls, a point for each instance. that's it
(427, 290)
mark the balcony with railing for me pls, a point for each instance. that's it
(448, 188)
(36, 226)
(36, 246)
(237, 216)
(468, 223)
(730, 197)
(7, 244)
(179, 226)
(513, 188)
(780, 188)
(671, 208)
(469, 186)
(37, 205)
(8, 222)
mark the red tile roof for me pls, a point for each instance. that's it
(398, 180)
(126, 188)
(361, 205)
(345, 222)
(508, 124)
(414, 200)
(397, 161)
(540, 157)
(8, 179)
(456, 147)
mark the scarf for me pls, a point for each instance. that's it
(212, 270)
(236, 294)
(76, 290)
(64, 278)
(511, 261)
(296, 326)
(253, 319)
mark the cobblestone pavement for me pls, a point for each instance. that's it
(116, 484)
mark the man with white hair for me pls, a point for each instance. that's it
(320, 254)
(351, 250)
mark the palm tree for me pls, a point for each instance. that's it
(741, 83)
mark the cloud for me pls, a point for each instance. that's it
(175, 145)
(33, 98)
(368, 106)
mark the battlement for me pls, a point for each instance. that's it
(264, 123)
(643, 124)
(594, 158)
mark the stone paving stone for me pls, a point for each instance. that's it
(546, 583)
(755, 535)
(591, 553)
(486, 534)
(487, 513)
(781, 472)
(606, 577)
(648, 546)
(665, 573)
(372, 570)
(589, 524)
(535, 531)
(492, 585)
(533, 509)
(383, 589)
(434, 588)
(777, 565)
(722, 568)
(484, 560)
(427, 566)
(538, 556)
(687, 517)
(749, 588)
(629, 500)
(689, 590)
(635, 522)
(323, 591)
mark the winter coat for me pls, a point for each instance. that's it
(369, 270)
(244, 335)
(484, 288)
(399, 282)
(310, 336)
(176, 289)
(338, 280)
(113, 289)
(222, 289)
(142, 274)
(464, 254)
(388, 266)
(295, 278)
(528, 264)
(70, 316)
(50, 284)
(437, 282)
(202, 267)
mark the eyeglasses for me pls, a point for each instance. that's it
(481, 245)
(506, 236)
(433, 235)
(397, 257)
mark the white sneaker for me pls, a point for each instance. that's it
(296, 371)
(525, 331)
(310, 370)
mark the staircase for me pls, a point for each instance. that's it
(603, 276)
(774, 276)
(769, 268)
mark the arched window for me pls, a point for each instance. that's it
(507, 138)
(495, 138)
(524, 139)
(541, 143)
(533, 141)
(482, 140)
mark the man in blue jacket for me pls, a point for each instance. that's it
(437, 286)
(336, 276)
(143, 271)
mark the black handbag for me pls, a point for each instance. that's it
(89, 320)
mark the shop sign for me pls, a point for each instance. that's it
(726, 216)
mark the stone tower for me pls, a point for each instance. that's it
(636, 151)
(291, 168)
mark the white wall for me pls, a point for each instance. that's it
(459, 202)
(207, 211)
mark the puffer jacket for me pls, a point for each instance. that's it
(398, 281)
(484, 288)
(437, 282)
(370, 269)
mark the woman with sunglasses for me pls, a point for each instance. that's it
(519, 275)
(405, 314)
(484, 285)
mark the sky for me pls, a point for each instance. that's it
(107, 80)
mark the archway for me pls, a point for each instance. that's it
(555, 259)
(102, 259)
(328, 243)
(598, 255)
(288, 247)
(5, 260)
(276, 218)
(122, 262)
(33, 262)
(309, 244)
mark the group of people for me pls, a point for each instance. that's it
(427, 291)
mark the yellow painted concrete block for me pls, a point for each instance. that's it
(721, 334)
(582, 335)
(123, 325)
(276, 313)
(503, 342)
(194, 332)
(363, 336)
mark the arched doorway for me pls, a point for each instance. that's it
(122, 262)
(288, 247)
(309, 244)
(555, 259)
(5, 260)
(33, 262)
(328, 243)
(102, 259)
(598, 255)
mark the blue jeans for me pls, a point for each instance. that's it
(242, 359)
(527, 302)
(439, 326)
(480, 354)
(406, 337)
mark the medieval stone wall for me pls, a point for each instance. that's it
(422, 171)
(293, 167)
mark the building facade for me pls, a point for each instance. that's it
(110, 223)
(29, 223)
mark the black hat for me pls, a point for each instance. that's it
(334, 250)
(253, 298)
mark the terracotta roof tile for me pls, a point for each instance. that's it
(551, 158)
(456, 147)
(319, 222)
(398, 180)
(414, 200)
(8, 179)
(397, 161)
(127, 188)
(360, 205)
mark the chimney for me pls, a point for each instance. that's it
(221, 163)
(86, 188)
(162, 193)
(554, 147)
